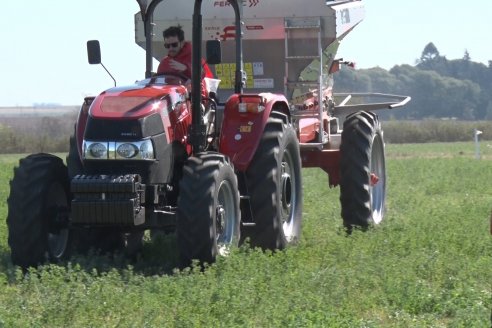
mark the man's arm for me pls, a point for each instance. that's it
(206, 71)
(169, 65)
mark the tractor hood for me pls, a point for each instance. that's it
(139, 100)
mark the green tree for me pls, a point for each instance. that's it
(350, 80)
(439, 87)
(430, 52)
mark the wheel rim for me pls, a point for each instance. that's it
(288, 196)
(377, 180)
(225, 215)
(57, 237)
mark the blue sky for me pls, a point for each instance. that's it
(44, 58)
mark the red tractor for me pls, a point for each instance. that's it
(156, 156)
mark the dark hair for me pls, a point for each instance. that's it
(174, 31)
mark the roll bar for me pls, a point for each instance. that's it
(198, 129)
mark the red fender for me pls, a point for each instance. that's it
(81, 123)
(243, 125)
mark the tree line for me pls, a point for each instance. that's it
(440, 88)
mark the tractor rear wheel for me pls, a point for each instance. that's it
(38, 209)
(362, 170)
(275, 188)
(208, 209)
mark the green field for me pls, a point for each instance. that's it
(428, 265)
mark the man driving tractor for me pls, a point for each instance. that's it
(178, 59)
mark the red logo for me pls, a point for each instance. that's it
(253, 3)
(225, 3)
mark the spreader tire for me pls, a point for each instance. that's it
(208, 213)
(275, 188)
(38, 205)
(362, 171)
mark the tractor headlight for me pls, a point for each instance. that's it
(126, 150)
(146, 150)
(95, 150)
(136, 150)
(131, 150)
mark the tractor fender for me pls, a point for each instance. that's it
(81, 122)
(245, 118)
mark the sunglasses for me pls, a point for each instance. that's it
(171, 45)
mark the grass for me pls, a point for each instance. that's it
(428, 265)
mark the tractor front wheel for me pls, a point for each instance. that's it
(208, 209)
(38, 210)
(362, 170)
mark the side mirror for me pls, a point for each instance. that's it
(93, 52)
(214, 52)
(94, 55)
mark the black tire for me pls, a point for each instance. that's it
(38, 205)
(208, 215)
(275, 188)
(362, 171)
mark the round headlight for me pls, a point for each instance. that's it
(146, 150)
(127, 150)
(98, 150)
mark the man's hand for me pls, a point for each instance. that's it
(177, 65)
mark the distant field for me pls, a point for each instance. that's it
(428, 265)
(37, 111)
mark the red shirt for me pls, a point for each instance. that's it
(184, 57)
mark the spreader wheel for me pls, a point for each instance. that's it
(362, 170)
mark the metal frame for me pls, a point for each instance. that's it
(344, 108)
(198, 129)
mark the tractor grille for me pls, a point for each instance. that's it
(113, 200)
(101, 129)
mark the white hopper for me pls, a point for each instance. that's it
(273, 32)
